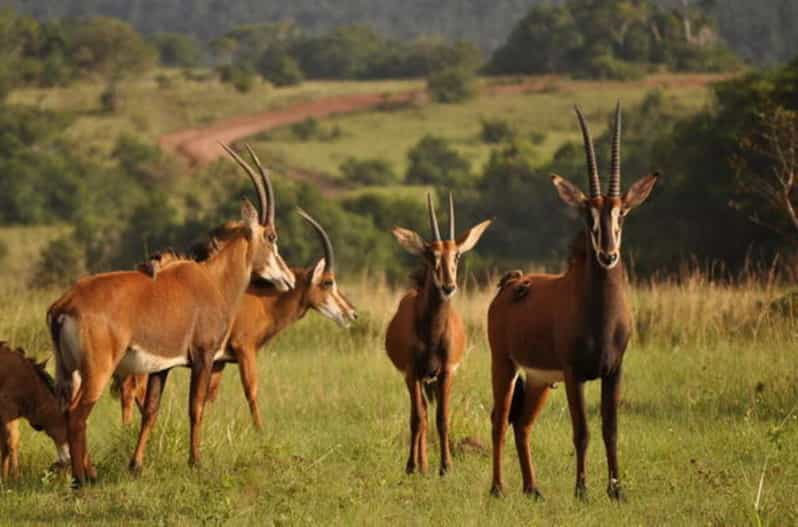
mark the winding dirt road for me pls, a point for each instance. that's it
(200, 146)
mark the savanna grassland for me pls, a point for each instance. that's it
(708, 415)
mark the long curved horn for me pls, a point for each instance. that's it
(267, 183)
(614, 188)
(329, 255)
(436, 232)
(590, 153)
(255, 180)
(451, 217)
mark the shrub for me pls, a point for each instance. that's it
(306, 130)
(240, 76)
(368, 171)
(451, 85)
(432, 161)
(496, 131)
(60, 264)
(279, 68)
(110, 99)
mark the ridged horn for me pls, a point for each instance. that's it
(329, 255)
(590, 153)
(433, 220)
(255, 180)
(614, 188)
(267, 183)
(451, 217)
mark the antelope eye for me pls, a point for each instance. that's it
(271, 237)
(327, 283)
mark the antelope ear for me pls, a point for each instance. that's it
(639, 192)
(318, 270)
(249, 215)
(568, 192)
(412, 242)
(469, 238)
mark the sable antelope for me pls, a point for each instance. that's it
(426, 338)
(572, 327)
(129, 323)
(27, 391)
(263, 313)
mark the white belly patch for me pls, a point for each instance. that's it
(536, 377)
(137, 361)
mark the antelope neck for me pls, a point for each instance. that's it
(231, 268)
(432, 312)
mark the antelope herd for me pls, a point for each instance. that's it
(234, 295)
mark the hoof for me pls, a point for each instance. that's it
(534, 494)
(76, 484)
(410, 468)
(615, 492)
(580, 492)
(443, 471)
(134, 467)
(496, 491)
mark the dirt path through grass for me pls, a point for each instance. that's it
(200, 146)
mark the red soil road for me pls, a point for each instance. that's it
(200, 146)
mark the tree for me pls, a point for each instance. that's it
(177, 50)
(773, 181)
(433, 162)
(451, 85)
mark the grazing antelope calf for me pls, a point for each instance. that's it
(572, 327)
(27, 391)
(426, 338)
(265, 312)
(130, 323)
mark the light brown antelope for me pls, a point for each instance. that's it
(265, 312)
(426, 338)
(129, 323)
(27, 392)
(572, 327)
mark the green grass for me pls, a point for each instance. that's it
(389, 134)
(709, 381)
(150, 110)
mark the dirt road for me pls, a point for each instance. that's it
(200, 146)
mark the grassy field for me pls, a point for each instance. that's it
(545, 108)
(166, 100)
(711, 383)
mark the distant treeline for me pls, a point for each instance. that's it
(758, 31)
(616, 39)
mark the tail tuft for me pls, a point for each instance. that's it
(431, 390)
(518, 400)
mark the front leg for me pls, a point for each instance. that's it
(149, 410)
(576, 406)
(418, 419)
(201, 370)
(442, 419)
(610, 395)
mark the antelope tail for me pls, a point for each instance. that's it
(431, 390)
(66, 346)
(518, 400)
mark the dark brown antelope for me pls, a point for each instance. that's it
(264, 312)
(426, 338)
(27, 392)
(130, 323)
(572, 327)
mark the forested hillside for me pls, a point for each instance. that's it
(760, 31)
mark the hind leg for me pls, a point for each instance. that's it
(216, 379)
(534, 400)
(503, 373)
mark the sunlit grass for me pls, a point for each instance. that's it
(710, 376)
